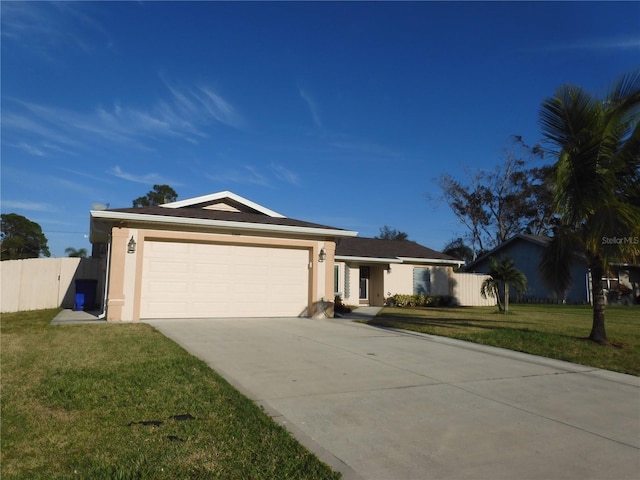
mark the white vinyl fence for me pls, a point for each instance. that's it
(466, 290)
(38, 283)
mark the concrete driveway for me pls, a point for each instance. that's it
(381, 404)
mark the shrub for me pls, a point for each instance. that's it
(340, 307)
(405, 300)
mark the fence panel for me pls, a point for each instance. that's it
(37, 283)
(466, 290)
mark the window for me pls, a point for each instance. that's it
(336, 279)
(421, 281)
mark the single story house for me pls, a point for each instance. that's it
(526, 251)
(368, 270)
(222, 255)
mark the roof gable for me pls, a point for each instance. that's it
(224, 201)
(538, 240)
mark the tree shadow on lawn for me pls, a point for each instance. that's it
(456, 322)
(396, 321)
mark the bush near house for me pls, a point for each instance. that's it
(405, 300)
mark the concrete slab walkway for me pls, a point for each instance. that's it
(381, 404)
(68, 317)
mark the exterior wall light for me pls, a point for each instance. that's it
(322, 256)
(131, 246)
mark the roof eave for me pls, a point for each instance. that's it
(431, 260)
(203, 222)
(349, 258)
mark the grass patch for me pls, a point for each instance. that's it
(553, 331)
(110, 401)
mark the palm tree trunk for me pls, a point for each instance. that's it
(506, 297)
(500, 308)
(598, 333)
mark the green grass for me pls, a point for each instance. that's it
(554, 331)
(74, 397)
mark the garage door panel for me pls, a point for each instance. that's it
(168, 287)
(169, 267)
(191, 280)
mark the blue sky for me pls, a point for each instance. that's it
(337, 113)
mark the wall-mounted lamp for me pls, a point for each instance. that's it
(322, 256)
(131, 246)
(389, 269)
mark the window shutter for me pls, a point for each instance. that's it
(347, 274)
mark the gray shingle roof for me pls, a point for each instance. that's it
(378, 248)
(220, 215)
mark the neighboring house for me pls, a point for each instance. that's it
(622, 284)
(526, 251)
(368, 270)
(217, 255)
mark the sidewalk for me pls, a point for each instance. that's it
(360, 313)
(71, 317)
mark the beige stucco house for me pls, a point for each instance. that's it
(222, 255)
(217, 255)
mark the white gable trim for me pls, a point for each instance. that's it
(221, 196)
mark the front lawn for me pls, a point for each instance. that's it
(554, 331)
(108, 401)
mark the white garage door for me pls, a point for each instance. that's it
(192, 280)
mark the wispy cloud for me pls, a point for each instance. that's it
(285, 174)
(147, 178)
(29, 206)
(313, 108)
(252, 175)
(98, 178)
(186, 114)
(31, 149)
(29, 179)
(197, 105)
(46, 28)
(595, 45)
(247, 174)
(37, 126)
(364, 147)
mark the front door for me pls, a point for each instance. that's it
(364, 284)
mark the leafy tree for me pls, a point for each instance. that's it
(388, 233)
(458, 249)
(595, 184)
(503, 274)
(498, 204)
(159, 195)
(79, 253)
(21, 238)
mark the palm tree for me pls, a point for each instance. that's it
(595, 183)
(503, 274)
